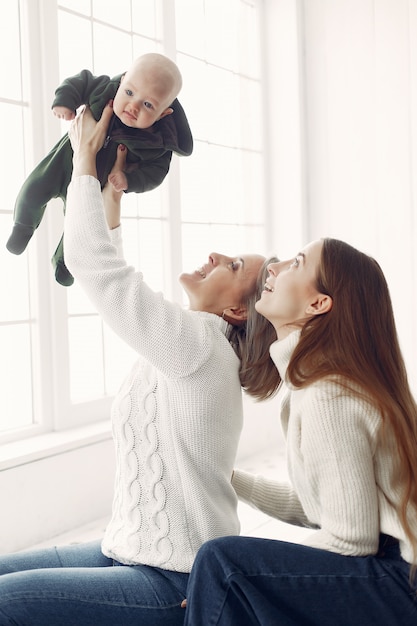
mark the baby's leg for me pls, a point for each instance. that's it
(48, 180)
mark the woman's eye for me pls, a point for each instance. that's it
(296, 262)
(234, 265)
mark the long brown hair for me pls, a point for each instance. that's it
(251, 341)
(357, 340)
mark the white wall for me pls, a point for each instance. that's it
(56, 493)
(285, 125)
(344, 120)
(361, 139)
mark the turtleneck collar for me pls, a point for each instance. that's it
(281, 351)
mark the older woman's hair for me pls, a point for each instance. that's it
(258, 375)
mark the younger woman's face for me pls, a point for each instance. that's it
(290, 294)
(222, 283)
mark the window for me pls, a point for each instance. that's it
(59, 365)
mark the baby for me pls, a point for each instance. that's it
(148, 120)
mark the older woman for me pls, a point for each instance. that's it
(176, 424)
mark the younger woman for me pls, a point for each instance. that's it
(176, 424)
(350, 423)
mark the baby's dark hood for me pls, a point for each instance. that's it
(176, 131)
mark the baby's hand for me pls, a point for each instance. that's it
(64, 113)
(118, 180)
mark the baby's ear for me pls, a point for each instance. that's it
(167, 111)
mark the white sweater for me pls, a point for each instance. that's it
(339, 476)
(178, 416)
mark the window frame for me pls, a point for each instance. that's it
(50, 355)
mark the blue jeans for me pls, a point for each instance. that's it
(78, 585)
(243, 581)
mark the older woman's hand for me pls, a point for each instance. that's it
(87, 137)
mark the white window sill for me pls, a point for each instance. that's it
(50, 444)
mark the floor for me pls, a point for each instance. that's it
(253, 523)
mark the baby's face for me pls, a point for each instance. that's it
(141, 100)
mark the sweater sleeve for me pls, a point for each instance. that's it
(147, 175)
(176, 341)
(331, 444)
(338, 487)
(277, 499)
(75, 90)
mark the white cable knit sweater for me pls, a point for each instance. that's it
(178, 416)
(339, 477)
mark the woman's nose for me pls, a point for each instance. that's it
(214, 258)
(273, 268)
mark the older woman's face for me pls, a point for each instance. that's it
(222, 283)
(290, 291)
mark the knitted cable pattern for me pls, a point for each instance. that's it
(154, 468)
(178, 416)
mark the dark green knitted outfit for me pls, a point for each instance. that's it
(148, 159)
